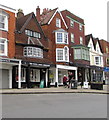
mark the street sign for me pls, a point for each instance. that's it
(106, 69)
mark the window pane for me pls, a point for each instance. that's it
(77, 53)
(66, 38)
(71, 23)
(59, 54)
(72, 37)
(58, 24)
(59, 37)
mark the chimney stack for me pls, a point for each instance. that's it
(20, 13)
(38, 13)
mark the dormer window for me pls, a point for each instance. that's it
(32, 34)
(58, 23)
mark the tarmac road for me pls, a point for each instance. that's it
(71, 105)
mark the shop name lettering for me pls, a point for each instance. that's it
(7, 60)
(39, 64)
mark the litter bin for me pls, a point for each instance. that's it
(73, 84)
(55, 84)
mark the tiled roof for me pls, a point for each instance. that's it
(37, 60)
(46, 17)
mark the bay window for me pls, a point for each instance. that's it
(61, 37)
(81, 53)
(3, 47)
(33, 52)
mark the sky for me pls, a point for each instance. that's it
(94, 12)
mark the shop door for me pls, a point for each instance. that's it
(43, 76)
(4, 81)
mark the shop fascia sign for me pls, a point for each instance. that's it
(8, 61)
(36, 64)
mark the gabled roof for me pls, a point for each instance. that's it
(21, 24)
(94, 40)
(71, 15)
(47, 17)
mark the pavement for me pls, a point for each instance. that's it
(52, 90)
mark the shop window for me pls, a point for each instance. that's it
(35, 75)
(23, 75)
(107, 60)
(3, 47)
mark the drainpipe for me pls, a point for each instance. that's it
(19, 75)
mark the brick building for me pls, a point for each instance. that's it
(32, 48)
(79, 52)
(7, 45)
(55, 28)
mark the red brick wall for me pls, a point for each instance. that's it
(10, 34)
(48, 30)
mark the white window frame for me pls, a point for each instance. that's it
(32, 33)
(5, 21)
(5, 47)
(35, 52)
(71, 23)
(72, 38)
(64, 35)
(80, 27)
(81, 40)
(58, 22)
(64, 55)
(99, 60)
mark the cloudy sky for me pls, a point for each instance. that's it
(94, 12)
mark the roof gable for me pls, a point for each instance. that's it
(50, 15)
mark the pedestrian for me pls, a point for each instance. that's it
(65, 81)
(70, 76)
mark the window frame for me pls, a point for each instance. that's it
(34, 53)
(5, 46)
(58, 23)
(71, 23)
(80, 27)
(63, 53)
(72, 38)
(5, 15)
(32, 33)
(64, 36)
(81, 40)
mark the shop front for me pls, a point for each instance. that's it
(57, 73)
(6, 66)
(31, 75)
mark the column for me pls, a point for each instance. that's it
(56, 77)
(19, 75)
(76, 75)
(10, 78)
(46, 79)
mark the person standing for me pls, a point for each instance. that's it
(65, 81)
